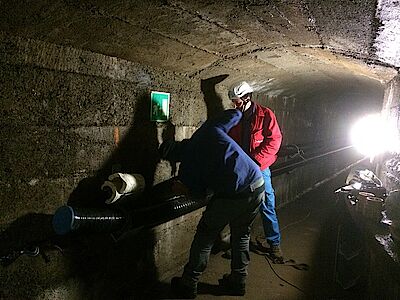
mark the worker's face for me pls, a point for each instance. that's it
(240, 103)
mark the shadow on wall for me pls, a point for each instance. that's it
(136, 153)
(107, 268)
(126, 267)
(116, 267)
(211, 98)
(24, 233)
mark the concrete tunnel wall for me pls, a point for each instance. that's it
(388, 163)
(70, 117)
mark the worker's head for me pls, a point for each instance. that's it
(240, 95)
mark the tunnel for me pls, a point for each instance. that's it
(77, 84)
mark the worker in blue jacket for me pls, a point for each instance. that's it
(211, 160)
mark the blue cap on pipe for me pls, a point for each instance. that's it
(63, 220)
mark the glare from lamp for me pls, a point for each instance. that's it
(374, 135)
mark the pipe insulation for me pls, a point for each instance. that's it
(120, 184)
(69, 219)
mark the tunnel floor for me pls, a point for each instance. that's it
(309, 230)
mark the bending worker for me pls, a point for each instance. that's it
(259, 135)
(211, 160)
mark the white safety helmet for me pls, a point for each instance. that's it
(239, 90)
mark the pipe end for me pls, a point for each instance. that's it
(63, 219)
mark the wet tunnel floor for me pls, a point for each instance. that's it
(309, 236)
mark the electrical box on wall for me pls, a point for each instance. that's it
(159, 110)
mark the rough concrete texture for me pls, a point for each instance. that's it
(60, 125)
(76, 78)
(59, 140)
(178, 232)
(188, 36)
(389, 169)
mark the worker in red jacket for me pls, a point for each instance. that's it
(259, 135)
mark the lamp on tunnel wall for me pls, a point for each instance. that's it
(159, 109)
(376, 134)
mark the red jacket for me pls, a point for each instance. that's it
(265, 136)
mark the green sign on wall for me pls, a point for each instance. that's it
(159, 111)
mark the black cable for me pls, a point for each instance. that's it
(299, 152)
(272, 268)
(268, 258)
(281, 278)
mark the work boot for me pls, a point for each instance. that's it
(262, 245)
(275, 254)
(230, 287)
(181, 290)
(273, 251)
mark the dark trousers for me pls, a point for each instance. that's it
(239, 212)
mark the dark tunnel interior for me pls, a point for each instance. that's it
(77, 79)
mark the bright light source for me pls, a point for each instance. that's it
(373, 135)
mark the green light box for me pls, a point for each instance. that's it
(159, 110)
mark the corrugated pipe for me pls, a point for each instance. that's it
(163, 212)
(69, 219)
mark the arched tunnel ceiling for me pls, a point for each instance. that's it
(283, 46)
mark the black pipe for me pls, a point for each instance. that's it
(72, 219)
(315, 146)
(68, 219)
(166, 211)
(288, 166)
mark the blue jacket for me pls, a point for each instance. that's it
(213, 160)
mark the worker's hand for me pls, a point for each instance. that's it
(179, 188)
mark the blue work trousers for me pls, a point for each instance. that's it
(239, 213)
(268, 214)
